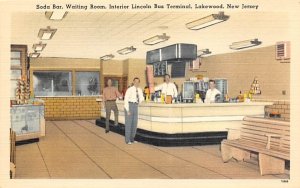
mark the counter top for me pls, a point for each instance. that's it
(71, 96)
(180, 105)
(24, 105)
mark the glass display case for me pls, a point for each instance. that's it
(27, 121)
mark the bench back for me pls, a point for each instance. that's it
(12, 146)
(255, 129)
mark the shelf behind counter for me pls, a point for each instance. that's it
(174, 121)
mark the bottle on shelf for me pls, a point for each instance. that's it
(240, 97)
(226, 99)
(162, 98)
(245, 96)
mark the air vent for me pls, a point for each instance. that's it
(283, 50)
(195, 65)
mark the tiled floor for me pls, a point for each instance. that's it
(79, 149)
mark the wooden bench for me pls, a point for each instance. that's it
(12, 154)
(269, 138)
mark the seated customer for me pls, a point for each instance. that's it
(211, 92)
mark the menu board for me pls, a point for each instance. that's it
(178, 69)
(160, 68)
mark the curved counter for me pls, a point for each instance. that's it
(191, 118)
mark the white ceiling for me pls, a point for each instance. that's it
(94, 34)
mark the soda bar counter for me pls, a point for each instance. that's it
(189, 120)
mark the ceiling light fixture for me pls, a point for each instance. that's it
(156, 39)
(207, 21)
(126, 50)
(244, 44)
(107, 57)
(55, 15)
(203, 52)
(39, 47)
(46, 34)
(34, 55)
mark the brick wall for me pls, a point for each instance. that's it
(279, 110)
(66, 108)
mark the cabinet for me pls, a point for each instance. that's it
(27, 121)
(19, 66)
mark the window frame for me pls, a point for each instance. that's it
(99, 85)
(73, 75)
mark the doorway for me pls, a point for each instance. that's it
(119, 82)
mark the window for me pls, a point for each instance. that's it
(15, 55)
(16, 72)
(15, 62)
(52, 83)
(15, 58)
(87, 83)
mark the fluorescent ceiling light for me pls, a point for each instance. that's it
(55, 15)
(245, 44)
(107, 57)
(156, 39)
(39, 47)
(126, 50)
(207, 21)
(34, 55)
(46, 34)
(203, 52)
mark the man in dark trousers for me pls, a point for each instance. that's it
(133, 97)
(110, 95)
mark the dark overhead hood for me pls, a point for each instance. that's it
(175, 52)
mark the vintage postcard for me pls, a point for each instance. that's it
(149, 93)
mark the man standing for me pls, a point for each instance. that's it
(167, 88)
(211, 93)
(110, 95)
(133, 97)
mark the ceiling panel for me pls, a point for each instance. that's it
(94, 34)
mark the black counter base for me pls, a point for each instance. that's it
(29, 141)
(163, 139)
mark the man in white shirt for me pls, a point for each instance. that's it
(133, 97)
(211, 92)
(167, 88)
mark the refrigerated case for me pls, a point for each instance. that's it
(27, 121)
(188, 93)
(222, 86)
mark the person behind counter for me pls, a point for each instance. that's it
(167, 88)
(133, 97)
(211, 92)
(110, 94)
(146, 93)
